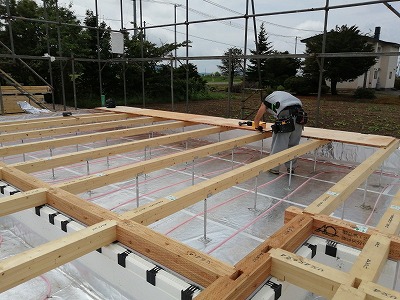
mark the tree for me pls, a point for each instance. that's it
(233, 61)
(278, 69)
(263, 48)
(339, 69)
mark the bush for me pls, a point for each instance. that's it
(299, 85)
(361, 93)
(280, 88)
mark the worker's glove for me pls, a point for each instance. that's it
(260, 128)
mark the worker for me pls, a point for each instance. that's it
(290, 119)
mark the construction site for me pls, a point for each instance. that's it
(125, 202)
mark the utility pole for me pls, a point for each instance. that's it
(134, 18)
(175, 6)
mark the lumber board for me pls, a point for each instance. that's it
(190, 263)
(306, 273)
(31, 263)
(345, 232)
(90, 182)
(375, 291)
(35, 119)
(21, 201)
(336, 195)
(87, 138)
(58, 122)
(32, 89)
(70, 158)
(372, 258)
(163, 207)
(309, 132)
(22, 135)
(390, 221)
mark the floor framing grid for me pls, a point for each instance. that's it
(220, 280)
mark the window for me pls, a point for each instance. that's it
(376, 74)
(390, 75)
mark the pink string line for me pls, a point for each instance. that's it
(166, 187)
(147, 181)
(48, 284)
(223, 203)
(261, 215)
(377, 200)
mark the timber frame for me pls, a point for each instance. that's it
(220, 280)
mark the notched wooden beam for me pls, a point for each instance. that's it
(306, 273)
(345, 232)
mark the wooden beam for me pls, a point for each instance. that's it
(94, 181)
(190, 263)
(20, 179)
(15, 136)
(163, 207)
(65, 121)
(377, 292)
(21, 201)
(58, 118)
(198, 266)
(85, 212)
(347, 292)
(309, 132)
(86, 138)
(372, 259)
(255, 268)
(31, 263)
(306, 273)
(390, 221)
(345, 232)
(332, 199)
(33, 89)
(71, 158)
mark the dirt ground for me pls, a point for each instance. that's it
(379, 116)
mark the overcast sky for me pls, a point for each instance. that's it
(285, 30)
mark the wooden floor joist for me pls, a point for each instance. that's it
(90, 182)
(85, 155)
(87, 138)
(21, 201)
(333, 198)
(62, 121)
(273, 257)
(170, 204)
(40, 133)
(309, 132)
(31, 263)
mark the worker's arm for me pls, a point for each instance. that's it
(259, 115)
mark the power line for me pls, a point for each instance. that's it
(235, 25)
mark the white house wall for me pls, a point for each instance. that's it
(384, 65)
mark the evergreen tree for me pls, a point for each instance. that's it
(339, 69)
(263, 48)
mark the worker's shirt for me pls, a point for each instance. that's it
(284, 99)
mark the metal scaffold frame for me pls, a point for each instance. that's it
(187, 58)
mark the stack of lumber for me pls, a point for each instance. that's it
(12, 95)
